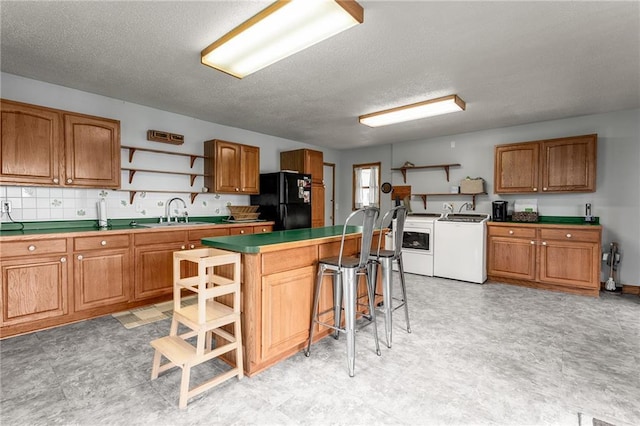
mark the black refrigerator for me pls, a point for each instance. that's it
(285, 197)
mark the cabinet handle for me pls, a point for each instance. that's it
(69, 180)
(237, 189)
(568, 235)
(510, 232)
(80, 257)
(63, 259)
(532, 242)
(103, 243)
(535, 189)
(183, 247)
(544, 243)
(242, 231)
(192, 246)
(544, 189)
(56, 180)
(264, 229)
(32, 248)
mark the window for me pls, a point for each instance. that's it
(366, 185)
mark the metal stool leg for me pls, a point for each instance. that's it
(314, 315)
(349, 289)
(387, 296)
(337, 303)
(404, 293)
(372, 301)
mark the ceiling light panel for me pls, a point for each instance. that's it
(280, 30)
(430, 108)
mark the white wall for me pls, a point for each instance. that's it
(616, 201)
(33, 204)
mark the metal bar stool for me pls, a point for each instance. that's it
(344, 270)
(385, 259)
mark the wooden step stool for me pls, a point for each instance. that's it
(215, 291)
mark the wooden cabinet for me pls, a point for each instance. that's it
(565, 258)
(554, 165)
(231, 168)
(310, 162)
(34, 281)
(102, 273)
(31, 141)
(92, 151)
(289, 292)
(153, 262)
(47, 147)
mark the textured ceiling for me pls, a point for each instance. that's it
(512, 62)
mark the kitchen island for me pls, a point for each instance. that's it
(278, 279)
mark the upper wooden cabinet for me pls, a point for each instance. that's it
(47, 147)
(553, 165)
(304, 161)
(231, 168)
(310, 162)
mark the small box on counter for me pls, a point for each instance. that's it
(472, 186)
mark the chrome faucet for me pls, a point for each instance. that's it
(168, 208)
(468, 205)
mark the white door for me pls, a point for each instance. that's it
(329, 193)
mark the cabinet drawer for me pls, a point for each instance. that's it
(164, 237)
(241, 230)
(21, 248)
(568, 234)
(512, 231)
(262, 228)
(198, 234)
(101, 242)
(286, 260)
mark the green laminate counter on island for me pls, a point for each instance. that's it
(278, 279)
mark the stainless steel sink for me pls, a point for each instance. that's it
(170, 224)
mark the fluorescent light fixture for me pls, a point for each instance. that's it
(415, 111)
(280, 30)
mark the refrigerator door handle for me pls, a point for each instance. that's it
(286, 214)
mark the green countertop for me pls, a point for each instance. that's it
(8, 229)
(251, 243)
(560, 220)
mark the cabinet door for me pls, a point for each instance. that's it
(30, 144)
(249, 169)
(34, 289)
(569, 164)
(101, 278)
(569, 263)
(154, 270)
(317, 205)
(286, 310)
(314, 164)
(516, 168)
(512, 258)
(92, 148)
(226, 167)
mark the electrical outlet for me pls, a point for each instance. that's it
(6, 207)
(469, 206)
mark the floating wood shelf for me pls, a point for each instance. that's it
(446, 194)
(133, 149)
(403, 170)
(132, 173)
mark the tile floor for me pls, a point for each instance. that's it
(477, 355)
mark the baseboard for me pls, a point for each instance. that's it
(626, 289)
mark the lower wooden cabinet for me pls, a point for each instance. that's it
(558, 257)
(34, 289)
(286, 309)
(101, 278)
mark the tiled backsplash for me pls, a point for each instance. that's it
(41, 204)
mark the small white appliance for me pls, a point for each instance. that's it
(417, 243)
(461, 250)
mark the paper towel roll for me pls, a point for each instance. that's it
(102, 214)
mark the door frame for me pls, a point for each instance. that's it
(331, 193)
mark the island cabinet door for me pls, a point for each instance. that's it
(286, 310)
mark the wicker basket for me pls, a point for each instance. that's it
(243, 212)
(524, 217)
